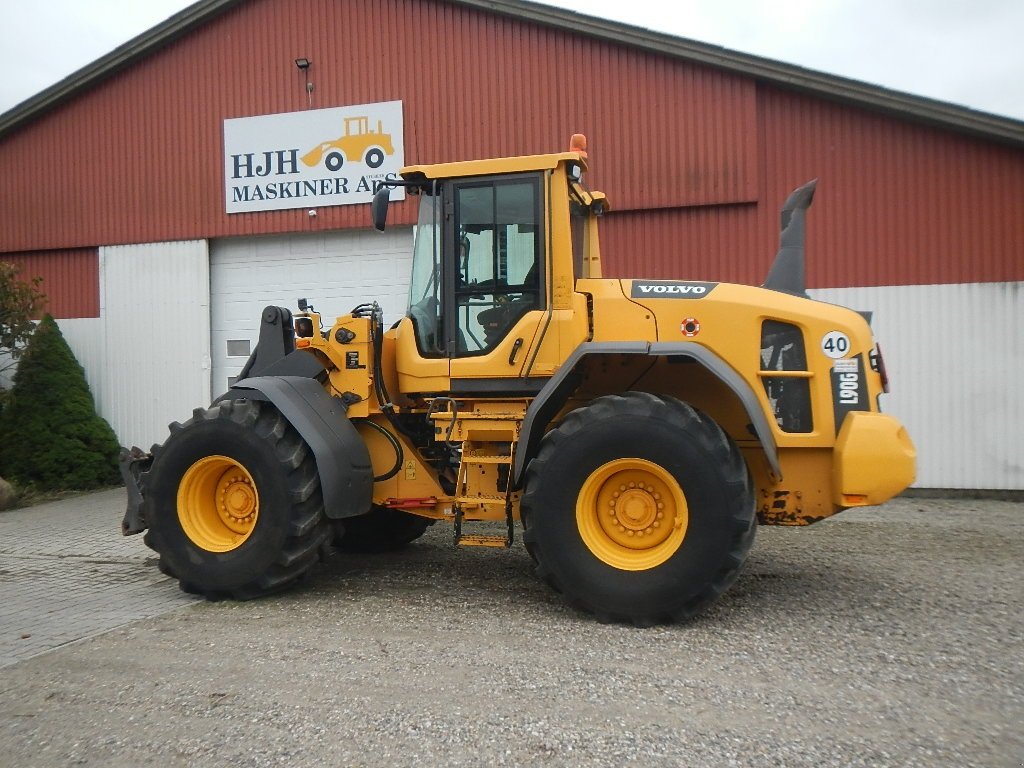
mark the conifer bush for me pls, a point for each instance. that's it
(51, 437)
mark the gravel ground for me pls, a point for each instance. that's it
(881, 637)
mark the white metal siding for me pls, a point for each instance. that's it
(334, 271)
(955, 356)
(85, 336)
(154, 304)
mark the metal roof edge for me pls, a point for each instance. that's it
(149, 41)
(1005, 130)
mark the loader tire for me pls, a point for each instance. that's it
(638, 509)
(380, 530)
(233, 502)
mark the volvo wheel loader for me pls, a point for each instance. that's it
(638, 429)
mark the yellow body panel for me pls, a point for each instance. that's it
(499, 362)
(616, 317)
(874, 460)
(414, 487)
(730, 318)
(417, 373)
(566, 330)
(824, 466)
(804, 493)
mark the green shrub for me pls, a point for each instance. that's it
(51, 437)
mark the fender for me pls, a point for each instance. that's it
(342, 460)
(552, 397)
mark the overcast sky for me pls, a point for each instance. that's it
(968, 52)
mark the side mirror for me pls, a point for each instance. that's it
(379, 208)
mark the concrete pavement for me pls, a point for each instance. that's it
(67, 573)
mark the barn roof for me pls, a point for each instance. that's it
(788, 76)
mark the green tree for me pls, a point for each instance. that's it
(20, 303)
(51, 437)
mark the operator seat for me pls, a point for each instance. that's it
(497, 320)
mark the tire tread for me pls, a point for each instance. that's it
(307, 528)
(711, 439)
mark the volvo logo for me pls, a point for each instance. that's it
(661, 289)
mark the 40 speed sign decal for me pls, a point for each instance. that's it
(835, 344)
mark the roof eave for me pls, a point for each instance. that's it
(907, 106)
(121, 57)
(835, 88)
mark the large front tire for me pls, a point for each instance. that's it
(638, 508)
(233, 502)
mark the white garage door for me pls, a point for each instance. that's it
(334, 271)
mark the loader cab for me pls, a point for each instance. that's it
(477, 295)
(494, 255)
(476, 271)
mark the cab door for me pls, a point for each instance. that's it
(496, 298)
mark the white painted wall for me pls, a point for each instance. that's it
(955, 357)
(85, 336)
(149, 352)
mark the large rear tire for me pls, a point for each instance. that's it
(639, 509)
(233, 502)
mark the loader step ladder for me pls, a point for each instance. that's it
(481, 464)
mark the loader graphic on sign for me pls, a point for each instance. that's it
(358, 143)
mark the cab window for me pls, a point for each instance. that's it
(425, 287)
(497, 254)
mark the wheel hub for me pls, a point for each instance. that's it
(637, 508)
(632, 514)
(218, 504)
(236, 501)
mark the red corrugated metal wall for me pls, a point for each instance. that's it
(897, 204)
(70, 279)
(139, 157)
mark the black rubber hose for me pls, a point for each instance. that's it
(399, 453)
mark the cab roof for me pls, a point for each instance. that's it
(490, 167)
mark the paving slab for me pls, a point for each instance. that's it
(67, 573)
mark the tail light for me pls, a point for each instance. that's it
(878, 365)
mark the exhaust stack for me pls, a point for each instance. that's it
(787, 272)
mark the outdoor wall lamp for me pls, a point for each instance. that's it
(303, 64)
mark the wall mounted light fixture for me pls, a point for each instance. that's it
(304, 64)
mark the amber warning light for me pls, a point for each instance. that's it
(578, 143)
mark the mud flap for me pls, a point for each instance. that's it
(342, 459)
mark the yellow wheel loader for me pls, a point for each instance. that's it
(638, 429)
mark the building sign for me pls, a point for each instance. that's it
(313, 158)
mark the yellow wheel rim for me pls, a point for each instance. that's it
(632, 514)
(218, 504)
